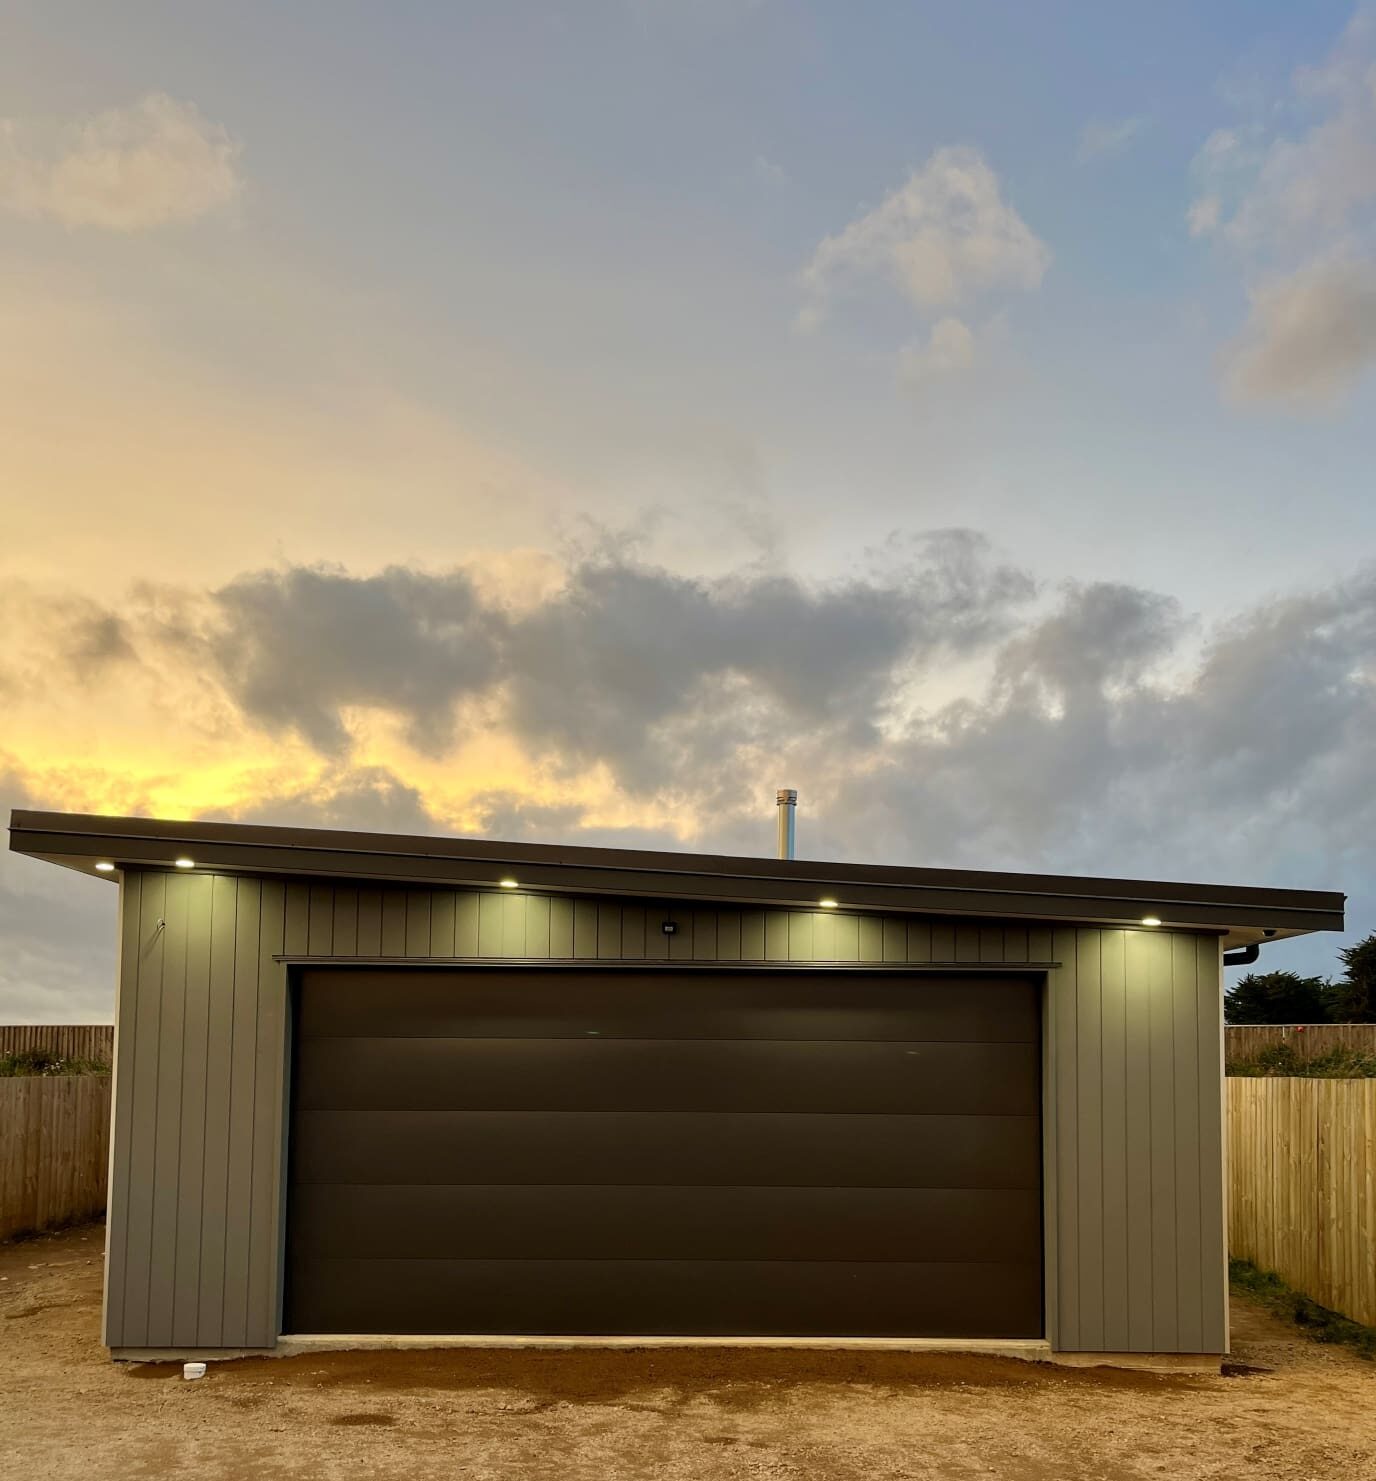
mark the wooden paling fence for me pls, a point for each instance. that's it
(62, 1040)
(54, 1136)
(1308, 1040)
(1302, 1161)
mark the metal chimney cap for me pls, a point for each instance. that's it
(787, 795)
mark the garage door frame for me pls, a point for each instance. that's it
(1039, 976)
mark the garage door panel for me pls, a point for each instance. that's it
(376, 1147)
(747, 1298)
(516, 1003)
(896, 1077)
(655, 1223)
(665, 1151)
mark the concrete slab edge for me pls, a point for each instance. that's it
(1031, 1350)
(1034, 1350)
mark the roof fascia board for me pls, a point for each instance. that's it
(575, 870)
(412, 846)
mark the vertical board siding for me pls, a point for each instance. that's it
(1062, 1007)
(1137, 1138)
(1135, 1061)
(608, 938)
(1184, 1051)
(728, 938)
(1161, 1077)
(1113, 1130)
(162, 1253)
(1089, 1141)
(1133, 1056)
(585, 916)
(1302, 1161)
(1213, 1304)
(298, 920)
(345, 923)
(560, 928)
(143, 1108)
(418, 923)
(752, 936)
(802, 933)
(270, 1005)
(320, 920)
(370, 924)
(243, 1074)
(919, 945)
(189, 1098)
(225, 899)
(466, 925)
(393, 922)
(124, 1071)
(537, 928)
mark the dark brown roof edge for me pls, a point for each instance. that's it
(76, 838)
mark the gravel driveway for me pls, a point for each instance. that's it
(67, 1411)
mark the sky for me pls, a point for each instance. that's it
(574, 422)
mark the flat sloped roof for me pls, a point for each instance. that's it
(1242, 913)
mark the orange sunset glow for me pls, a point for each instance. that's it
(508, 423)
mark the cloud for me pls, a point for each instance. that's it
(1309, 336)
(296, 648)
(637, 668)
(1103, 635)
(1294, 204)
(512, 816)
(367, 799)
(1101, 138)
(79, 636)
(1204, 215)
(939, 707)
(157, 162)
(943, 238)
(1321, 179)
(623, 664)
(1079, 756)
(951, 347)
(58, 930)
(678, 687)
(1224, 168)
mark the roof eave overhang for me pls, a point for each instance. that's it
(1240, 913)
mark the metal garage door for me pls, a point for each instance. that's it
(649, 1152)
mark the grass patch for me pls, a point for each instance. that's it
(1278, 1060)
(45, 1062)
(1315, 1321)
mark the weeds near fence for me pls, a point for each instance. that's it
(1281, 1060)
(1316, 1322)
(45, 1062)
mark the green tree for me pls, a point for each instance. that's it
(1354, 996)
(1278, 997)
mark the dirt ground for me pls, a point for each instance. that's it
(67, 1411)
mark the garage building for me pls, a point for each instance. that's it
(374, 1086)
